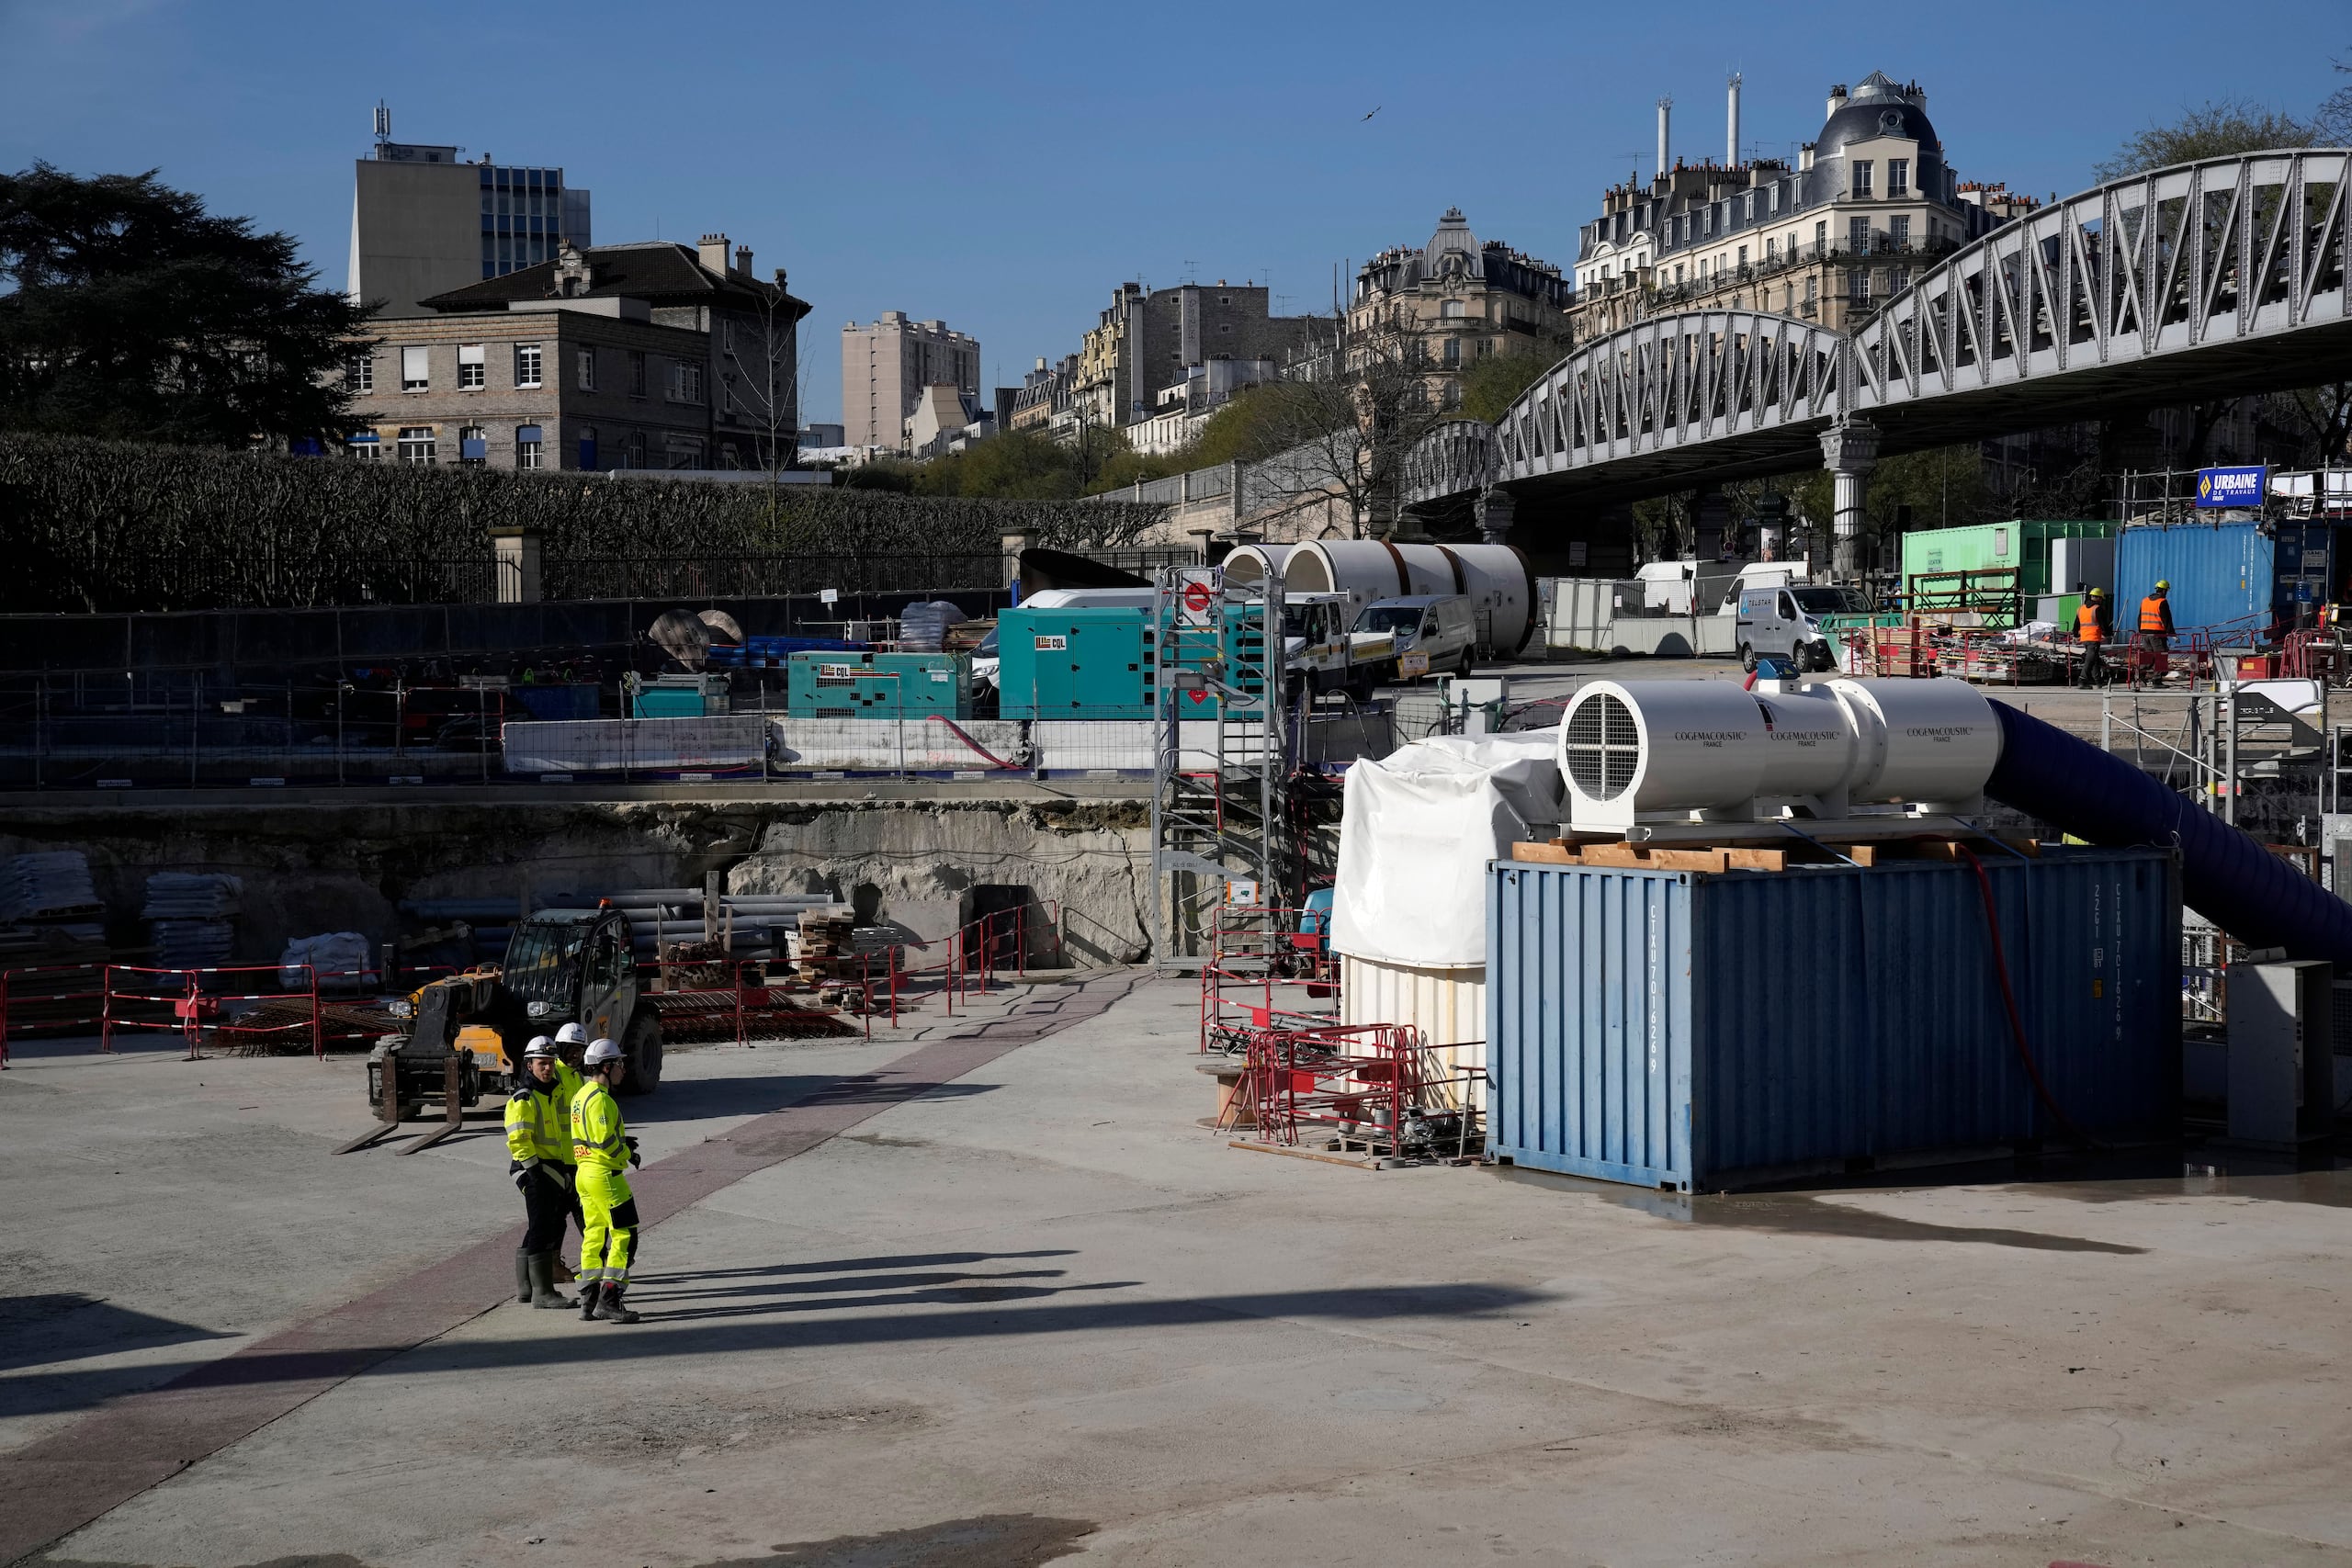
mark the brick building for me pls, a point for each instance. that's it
(649, 355)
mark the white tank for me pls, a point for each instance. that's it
(1636, 747)
(1496, 579)
(1920, 741)
(1664, 749)
(1250, 565)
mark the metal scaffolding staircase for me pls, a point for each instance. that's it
(1220, 814)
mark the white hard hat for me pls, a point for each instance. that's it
(540, 1045)
(572, 1034)
(601, 1052)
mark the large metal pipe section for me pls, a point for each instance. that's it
(1248, 566)
(1496, 579)
(1635, 749)
(2225, 874)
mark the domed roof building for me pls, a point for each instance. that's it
(1870, 203)
(1455, 300)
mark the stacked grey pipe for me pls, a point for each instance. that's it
(656, 915)
(48, 907)
(191, 918)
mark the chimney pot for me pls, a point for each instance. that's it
(743, 260)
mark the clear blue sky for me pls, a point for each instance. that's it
(1004, 167)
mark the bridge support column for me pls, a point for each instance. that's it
(1493, 511)
(1710, 519)
(1850, 451)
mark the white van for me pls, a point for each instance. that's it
(1439, 626)
(1780, 622)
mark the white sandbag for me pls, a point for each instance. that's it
(1416, 832)
(339, 957)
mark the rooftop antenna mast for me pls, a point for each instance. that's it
(383, 122)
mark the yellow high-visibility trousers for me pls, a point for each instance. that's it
(610, 1211)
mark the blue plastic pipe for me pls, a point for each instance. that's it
(2224, 876)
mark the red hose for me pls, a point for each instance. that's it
(977, 747)
(2009, 1000)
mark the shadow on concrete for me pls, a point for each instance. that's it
(845, 1265)
(127, 1043)
(1800, 1213)
(641, 1294)
(981, 1290)
(693, 1100)
(864, 1322)
(986, 1540)
(38, 1330)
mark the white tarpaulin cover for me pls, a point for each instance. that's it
(340, 958)
(1415, 836)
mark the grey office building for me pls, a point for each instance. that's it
(423, 222)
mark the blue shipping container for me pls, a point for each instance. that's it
(2241, 576)
(1691, 1031)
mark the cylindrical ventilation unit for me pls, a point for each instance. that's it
(1641, 748)
(1662, 749)
(1931, 741)
(1496, 579)
(1248, 566)
(1809, 743)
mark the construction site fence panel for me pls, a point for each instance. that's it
(772, 745)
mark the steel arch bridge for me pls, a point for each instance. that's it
(2208, 279)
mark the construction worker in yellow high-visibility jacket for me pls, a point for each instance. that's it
(602, 1151)
(539, 1157)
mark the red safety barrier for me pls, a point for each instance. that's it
(17, 997)
(1252, 948)
(193, 1006)
(1368, 1083)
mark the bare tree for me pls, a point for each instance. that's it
(1342, 421)
(762, 376)
(2332, 125)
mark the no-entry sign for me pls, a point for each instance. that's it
(1196, 596)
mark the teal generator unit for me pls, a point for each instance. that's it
(879, 685)
(1075, 663)
(676, 697)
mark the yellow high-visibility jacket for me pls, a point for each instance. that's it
(599, 1137)
(538, 1120)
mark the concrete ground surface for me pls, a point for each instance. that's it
(1038, 1313)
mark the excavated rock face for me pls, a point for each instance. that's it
(309, 868)
(914, 860)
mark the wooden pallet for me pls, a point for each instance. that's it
(1822, 850)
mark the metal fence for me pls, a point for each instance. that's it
(769, 576)
(207, 579)
(156, 734)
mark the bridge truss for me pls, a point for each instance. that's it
(2210, 279)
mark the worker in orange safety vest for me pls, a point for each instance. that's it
(2094, 623)
(2156, 618)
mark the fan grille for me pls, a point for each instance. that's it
(1603, 747)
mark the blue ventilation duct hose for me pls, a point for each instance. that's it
(2224, 876)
